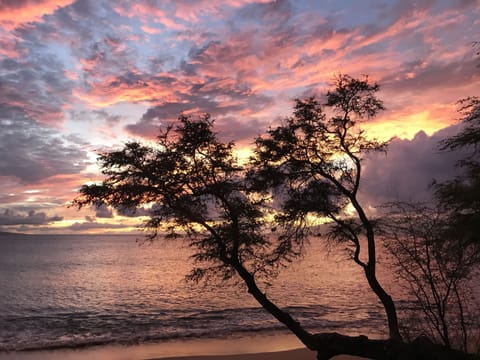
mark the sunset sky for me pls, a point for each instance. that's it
(79, 77)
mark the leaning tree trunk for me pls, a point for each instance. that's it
(370, 274)
(386, 301)
(328, 345)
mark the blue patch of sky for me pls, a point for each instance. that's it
(63, 54)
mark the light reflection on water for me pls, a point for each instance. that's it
(69, 291)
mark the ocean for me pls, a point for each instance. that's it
(76, 291)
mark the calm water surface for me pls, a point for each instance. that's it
(75, 291)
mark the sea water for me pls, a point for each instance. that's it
(72, 291)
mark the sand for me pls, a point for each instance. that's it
(298, 354)
(257, 347)
(114, 354)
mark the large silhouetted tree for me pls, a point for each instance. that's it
(317, 159)
(249, 221)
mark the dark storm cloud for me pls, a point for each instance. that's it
(406, 171)
(31, 152)
(9, 217)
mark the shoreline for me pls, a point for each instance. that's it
(255, 347)
(297, 354)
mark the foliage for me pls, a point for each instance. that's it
(193, 185)
(462, 194)
(436, 270)
(315, 161)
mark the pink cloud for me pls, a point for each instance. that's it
(14, 13)
(132, 87)
(146, 12)
(8, 45)
(191, 11)
(151, 30)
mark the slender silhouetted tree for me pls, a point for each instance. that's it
(435, 266)
(317, 160)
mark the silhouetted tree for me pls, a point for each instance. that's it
(318, 161)
(310, 166)
(436, 248)
(461, 196)
(435, 268)
(197, 190)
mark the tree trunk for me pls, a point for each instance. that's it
(328, 345)
(387, 303)
(332, 344)
(370, 273)
(294, 326)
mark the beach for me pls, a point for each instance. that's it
(297, 354)
(258, 347)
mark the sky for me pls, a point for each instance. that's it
(85, 76)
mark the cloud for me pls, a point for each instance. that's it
(220, 98)
(31, 152)
(9, 217)
(15, 12)
(131, 212)
(95, 116)
(48, 90)
(129, 87)
(419, 77)
(91, 225)
(181, 14)
(407, 170)
(103, 211)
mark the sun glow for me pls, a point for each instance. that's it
(406, 125)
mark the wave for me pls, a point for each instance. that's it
(85, 329)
